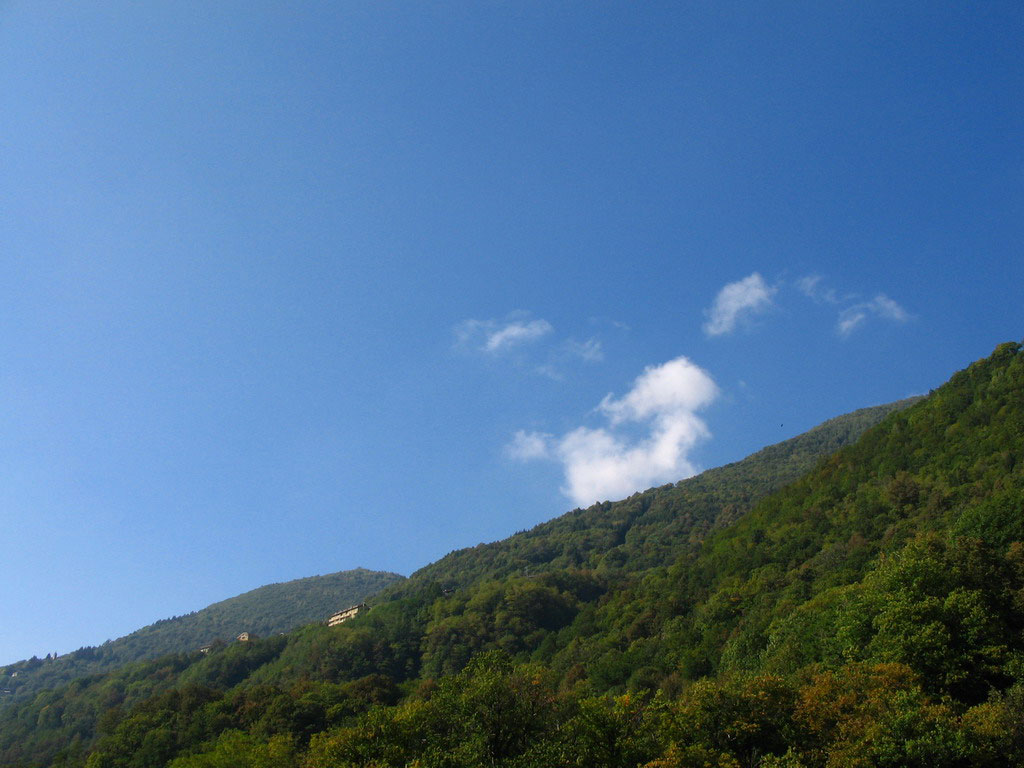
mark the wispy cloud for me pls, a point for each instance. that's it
(529, 445)
(812, 288)
(738, 300)
(590, 350)
(881, 306)
(853, 312)
(517, 333)
(603, 463)
(528, 343)
(569, 352)
(495, 337)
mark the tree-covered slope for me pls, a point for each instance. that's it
(770, 591)
(435, 621)
(268, 610)
(653, 527)
(870, 613)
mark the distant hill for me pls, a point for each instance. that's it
(267, 610)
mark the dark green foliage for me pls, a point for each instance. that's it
(998, 519)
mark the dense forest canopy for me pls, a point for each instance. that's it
(861, 609)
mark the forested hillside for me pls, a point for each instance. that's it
(268, 610)
(868, 613)
(653, 527)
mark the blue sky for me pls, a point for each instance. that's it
(290, 288)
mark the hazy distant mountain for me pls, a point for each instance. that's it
(268, 610)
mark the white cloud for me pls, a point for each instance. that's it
(551, 371)
(853, 313)
(811, 287)
(527, 343)
(589, 350)
(567, 354)
(881, 306)
(529, 445)
(743, 298)
(516, 333)
(885, 307)
(850, 318)
(601, 464)
(673, 387)
(495, 337)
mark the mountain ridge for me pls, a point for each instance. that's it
(755, 475)
(269, 609)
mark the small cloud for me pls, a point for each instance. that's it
(589, 350)
(885, 307)
(568, 353)
(850, 318)
(495, 337)
(601, 464)
(853, 313)
(472, 333)
(550, 370)
(526, 446)
(811, 287)
(744, 298)
(516, 333)
(881, 306)
(528, 343)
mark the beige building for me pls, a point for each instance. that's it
(343, 616)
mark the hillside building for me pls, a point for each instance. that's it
(343, 616)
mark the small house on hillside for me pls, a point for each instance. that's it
(343, 616)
